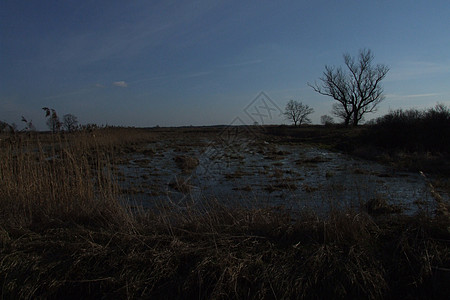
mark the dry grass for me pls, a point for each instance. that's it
(63, 234)
(55, 180)
(186, 163)
(380, 205)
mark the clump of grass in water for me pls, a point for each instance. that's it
(186, 163)
(380, 205)
(181, 184)
(442, 207)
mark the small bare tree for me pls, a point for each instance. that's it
(298, 112)
(326, 120)
(357, 90)
(70, 122)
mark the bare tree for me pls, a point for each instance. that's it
(357, 90)
(342, 112)
(53, 121)
(70, 122)
(326, 120)
(298, 112)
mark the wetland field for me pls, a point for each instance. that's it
(222, 212)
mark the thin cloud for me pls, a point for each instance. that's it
(416, 69)
(154, 78)
(121, 84)
(244, 63)
(99, 85)
(197, 74)
(63, 95)
(148, 30)
(412, 95)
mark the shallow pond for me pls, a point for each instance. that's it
(260, 173)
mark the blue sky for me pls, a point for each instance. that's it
(173, 63)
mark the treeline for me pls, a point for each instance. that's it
(412, 130)
(68, 123)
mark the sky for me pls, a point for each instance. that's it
(180, 63)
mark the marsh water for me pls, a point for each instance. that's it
(261, 173)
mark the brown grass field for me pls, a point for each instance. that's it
(64, 232)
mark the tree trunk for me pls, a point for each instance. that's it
(347, 121)
(355, 119)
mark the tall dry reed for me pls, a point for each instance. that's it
(60, 179)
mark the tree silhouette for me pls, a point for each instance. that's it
(358, 89)
(297, 112)
(326, 120)
(70, 122)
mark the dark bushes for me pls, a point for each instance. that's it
(413, 130)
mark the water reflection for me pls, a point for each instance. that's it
(261, 173)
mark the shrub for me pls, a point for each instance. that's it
(413, 130)
(326, 120)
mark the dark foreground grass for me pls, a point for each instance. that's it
(64, 234)
(228, 253)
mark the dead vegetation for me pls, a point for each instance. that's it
(380, 206)
(186, 163)
(64, 233)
